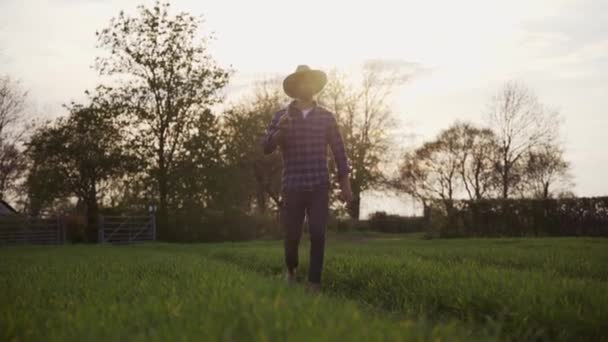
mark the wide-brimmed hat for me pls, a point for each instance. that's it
(304, 73)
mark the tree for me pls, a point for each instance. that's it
(520, 123)
(198, 178)
(74, 156)
(366, 119)
(476, 151)
(12, 108)
(546, 169)
(431, 172)
(166, 79)
(245, 123)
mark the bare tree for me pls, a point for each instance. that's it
(366, 119)
(12, 111)
(12, 104)
(520, 123)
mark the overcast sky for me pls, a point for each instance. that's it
(559, 48)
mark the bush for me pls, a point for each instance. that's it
(379, 221)
(386, 223)
(342, 225)
(213, 225)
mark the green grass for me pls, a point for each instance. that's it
(172, 292)
(376, 287)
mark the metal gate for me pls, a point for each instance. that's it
(126, 229)
(19, 229)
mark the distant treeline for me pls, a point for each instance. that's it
(151, 135)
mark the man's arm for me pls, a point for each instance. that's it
(336, 144)
(272, 137)
(337, 147)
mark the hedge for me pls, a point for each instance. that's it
(523, 217)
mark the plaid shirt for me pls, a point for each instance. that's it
(304, 149)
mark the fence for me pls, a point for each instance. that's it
(126, 229)
(19, 229)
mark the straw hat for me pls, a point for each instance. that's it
(304, 73)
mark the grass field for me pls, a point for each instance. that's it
(376, 287)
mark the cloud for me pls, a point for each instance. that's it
(399, 64)
(582, 21)
(406, 70)
(557, 55)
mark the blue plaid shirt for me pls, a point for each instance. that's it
(304, 149)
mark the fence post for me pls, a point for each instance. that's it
(58, 233)
(26, 230)
(63, 230)
(153, 218)
(100, 236)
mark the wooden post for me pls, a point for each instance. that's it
(100, 234)
(63, 230)
(58, 231)
(153, 218)
(25, 230)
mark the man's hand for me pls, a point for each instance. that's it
(346, 193)
(284, 124)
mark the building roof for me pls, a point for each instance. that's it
(6, 209)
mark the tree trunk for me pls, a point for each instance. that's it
(354, 206)
(546, 190)
(505, 183)
(162, 179)
(260, 193)
(477, 183)
(262, 203)
(163, 215)
(449, 230)
(92, 212)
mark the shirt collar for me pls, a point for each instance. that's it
(292, 106)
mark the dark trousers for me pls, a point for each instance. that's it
(314, 204)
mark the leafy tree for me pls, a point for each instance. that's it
(244, 125)
(546, 171)
(475, 150)
(458, 161)
(198, 178)
(74, 156)
(165, 79)
(431, 172)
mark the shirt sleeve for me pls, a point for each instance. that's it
(337, 147)
(268, 144)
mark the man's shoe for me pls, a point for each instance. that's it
(314, 288)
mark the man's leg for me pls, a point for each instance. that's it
(292, 218)
(318, 213)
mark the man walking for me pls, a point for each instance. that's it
(303, 131)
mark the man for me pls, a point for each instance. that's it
(303, 131)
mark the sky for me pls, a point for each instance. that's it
(467, 49)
